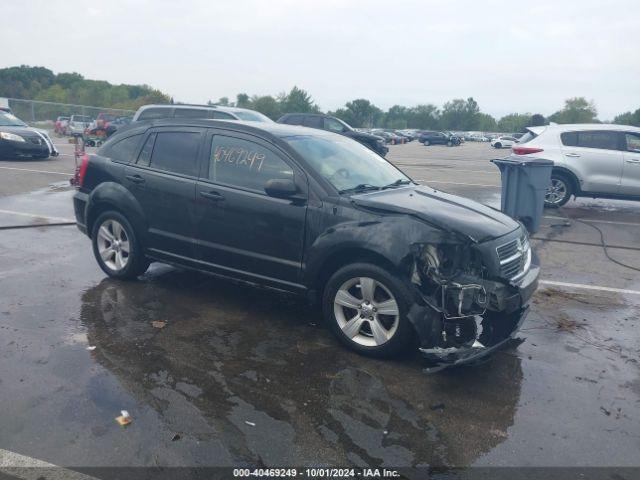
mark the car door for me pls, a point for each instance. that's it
(595, 156)
(163, 181)
(241, 230)
(631, 170)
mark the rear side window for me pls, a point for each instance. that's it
(191, 113)
(124, 150)
(153, 113)
(527, 137)
(313, 121)
(244, 164)
(591, 139)
(632, 142)
(294, 119)
(176, 152)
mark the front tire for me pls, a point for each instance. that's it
(426, 143)
(498, 145)
(559, 191)
(116, 246)
(366, 308)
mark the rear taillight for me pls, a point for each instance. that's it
(81, 171)
(525, 150)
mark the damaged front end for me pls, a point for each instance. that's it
(472, 297)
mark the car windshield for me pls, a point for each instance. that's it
(348, 165)
(10, 120)
(80, 118)
(252, 116)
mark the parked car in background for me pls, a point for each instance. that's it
(77, 124)
(333, 124)
(503, 142)
(154, 112)
(60, 125)
(591, 160)
(438, 138)
(6, 109)
(19, 140)
(393, 265)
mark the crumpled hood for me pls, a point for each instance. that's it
(449, 212)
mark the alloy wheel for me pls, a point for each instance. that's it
(113, 245)
(366, 311)
(556, 192)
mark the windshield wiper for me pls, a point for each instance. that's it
(363, 187)
(397, 183)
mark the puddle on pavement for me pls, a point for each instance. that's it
(247, 366)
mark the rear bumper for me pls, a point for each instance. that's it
(80, 200)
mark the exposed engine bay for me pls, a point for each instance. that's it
(466, 308)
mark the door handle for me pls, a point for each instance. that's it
(135, 179)
(572, 154)
(632, 160)
(214, 196)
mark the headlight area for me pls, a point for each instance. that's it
(463, 314)
(12, 137)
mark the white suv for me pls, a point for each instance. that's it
(590, 160)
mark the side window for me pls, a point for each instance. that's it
(632, 141)
(222, 116)
(569, 139)
(153, 113)
(313, 121)
(145, 153)
(190, 113)
(603, 140)
(241, 163)
(333, 125)
(176, 152)
(125, 149)
(294, 120)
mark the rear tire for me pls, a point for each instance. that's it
(353, 301)
(426, 143)
(559, 191)
(116, 246)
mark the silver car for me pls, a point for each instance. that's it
(590, 160)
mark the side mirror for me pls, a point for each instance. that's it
(280, 188)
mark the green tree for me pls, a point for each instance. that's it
(628, 118)
(243, 100)
(267, 105)
(459, 114)
(297, 101)
(423, 117)
(514, 122)
(537, 120)
(576, 110)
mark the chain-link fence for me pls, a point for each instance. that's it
(44, 114)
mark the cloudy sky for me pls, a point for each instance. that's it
(510, 56)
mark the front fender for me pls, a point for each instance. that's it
(111, 195)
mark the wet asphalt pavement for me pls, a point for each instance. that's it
(244, 376)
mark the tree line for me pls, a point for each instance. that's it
(40, 83)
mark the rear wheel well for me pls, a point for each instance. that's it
(575, 184)
(97, 210)
(345, 257)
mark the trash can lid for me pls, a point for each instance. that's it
(517, 160)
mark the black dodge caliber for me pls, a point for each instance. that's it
(393, 264)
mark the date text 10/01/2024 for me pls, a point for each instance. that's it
(317, 472)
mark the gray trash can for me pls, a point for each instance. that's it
(524, 184)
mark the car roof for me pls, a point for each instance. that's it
(273, 128)
(222, 108)
(572, 127)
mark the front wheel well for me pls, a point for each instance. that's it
(346, 257)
